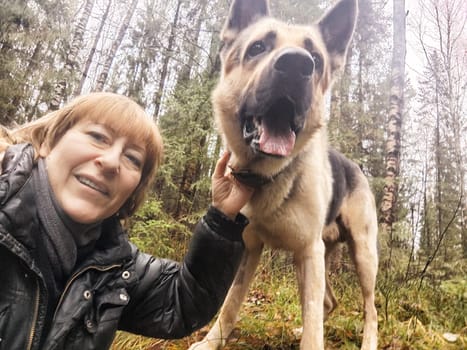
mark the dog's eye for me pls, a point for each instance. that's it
(317, 60)
(256, 48)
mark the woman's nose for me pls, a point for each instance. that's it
(109, 160)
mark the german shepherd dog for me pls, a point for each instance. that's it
(270, 108)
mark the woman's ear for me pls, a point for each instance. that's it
(44, 150)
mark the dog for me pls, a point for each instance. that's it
(269, 106)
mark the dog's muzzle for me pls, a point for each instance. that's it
(274, 111)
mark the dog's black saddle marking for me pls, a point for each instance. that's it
(344, 174)
(251, 179)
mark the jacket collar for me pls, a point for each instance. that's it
(18, 214)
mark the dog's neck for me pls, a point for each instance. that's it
(247, 176)
(251, 179)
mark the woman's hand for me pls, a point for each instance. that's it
(228, 195)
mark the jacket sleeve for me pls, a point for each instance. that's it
(16, 168)
(172, 300)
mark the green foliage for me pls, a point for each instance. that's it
(187, 128)
(156, 233)
(31, 34)
(15, 20)
(416, 304)
(360, 97)
(417, 315)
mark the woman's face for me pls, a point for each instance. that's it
(93, 171)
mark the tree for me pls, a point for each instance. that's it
(114, 47)
(165, 64)
(442, 110)
(27, 43)
(187, 121)
(396, 106)
(92, 51)
(71, 62)
(357, 97)
(187, 127)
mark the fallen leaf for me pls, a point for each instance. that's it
(450, 337)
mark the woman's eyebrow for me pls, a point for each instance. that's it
(136, 147)
(107, 127)
(114, 132)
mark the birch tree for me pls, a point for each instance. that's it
(165, 63)
(396, 106)
(71, 56)
(114, 47)
(92, 51)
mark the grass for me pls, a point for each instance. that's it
(410, 316)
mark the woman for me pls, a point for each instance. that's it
(70, 277)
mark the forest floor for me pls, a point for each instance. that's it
(412, 315)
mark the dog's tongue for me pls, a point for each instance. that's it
(277, 144)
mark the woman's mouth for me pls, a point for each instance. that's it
(89, 183)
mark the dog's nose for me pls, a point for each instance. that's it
(294, 63)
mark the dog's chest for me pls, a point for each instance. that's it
(283, 215)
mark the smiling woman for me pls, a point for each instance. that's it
(93, 171)
(67, 180)
(122, 117)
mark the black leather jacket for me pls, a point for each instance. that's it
(117, 287)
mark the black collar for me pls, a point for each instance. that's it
(250, 179)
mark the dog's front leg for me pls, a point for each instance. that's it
(218, 334)
(310, 267)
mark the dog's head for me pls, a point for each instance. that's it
(270, 97)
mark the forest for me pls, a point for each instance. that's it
(398, 110)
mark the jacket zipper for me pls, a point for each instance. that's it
(76, 275)
(34, 319)
(37, 296)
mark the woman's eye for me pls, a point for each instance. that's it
(135, 160)
(97, 136)
(256, 48)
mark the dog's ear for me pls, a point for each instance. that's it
(337, 27)
(242, 14)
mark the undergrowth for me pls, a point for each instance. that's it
(412, 315)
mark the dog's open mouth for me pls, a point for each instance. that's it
(272, 133)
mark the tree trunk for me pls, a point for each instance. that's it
(165, 63)
(114, 48)
(18, 100)
(192, 37)
(396, 105)
(445, 55)
(193, 166)
(88, 63)
(439, 221)
(339, 101)
(71, 58)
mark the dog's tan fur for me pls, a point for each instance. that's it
(313, 198)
